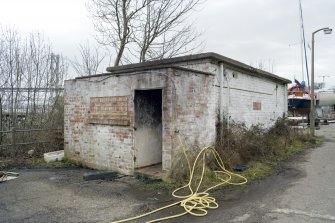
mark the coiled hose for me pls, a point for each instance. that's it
(196, 202)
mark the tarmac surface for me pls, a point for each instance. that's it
(301, 190)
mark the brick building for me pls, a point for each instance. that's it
(128, 118)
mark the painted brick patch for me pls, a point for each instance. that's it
(109, 110)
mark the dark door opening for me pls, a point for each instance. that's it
(148, 125)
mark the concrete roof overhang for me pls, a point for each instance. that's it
(172, 63)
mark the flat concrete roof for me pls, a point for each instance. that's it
(172, 62)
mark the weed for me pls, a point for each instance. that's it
(257, 171)
(148, 183)
(258, 148)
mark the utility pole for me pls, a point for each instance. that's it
(326, 30)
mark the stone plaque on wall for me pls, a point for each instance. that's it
(109, 110)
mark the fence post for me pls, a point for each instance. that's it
(13, 138)
(1, 128)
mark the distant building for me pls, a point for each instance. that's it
(129, 117)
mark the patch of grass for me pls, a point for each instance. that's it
(260, 170)
(148, 183)
(257, 171)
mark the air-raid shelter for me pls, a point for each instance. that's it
(129, 117)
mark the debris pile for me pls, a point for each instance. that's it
(5, 176)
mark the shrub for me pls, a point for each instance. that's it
(241, 145)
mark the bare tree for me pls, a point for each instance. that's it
(145, 29)
(90, 60)
(39, 64)
(163, 32)
(2, 60)
(30, 76)
(113, 19)
(269, 65)
(11, 74)
(27, 77)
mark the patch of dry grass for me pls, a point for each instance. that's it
(257, 148)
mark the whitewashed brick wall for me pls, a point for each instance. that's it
(190, 107)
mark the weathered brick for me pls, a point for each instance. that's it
(190, 106)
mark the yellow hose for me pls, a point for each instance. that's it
(196, 202)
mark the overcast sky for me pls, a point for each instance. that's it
(253, 32)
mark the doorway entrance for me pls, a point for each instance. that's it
(148, 127)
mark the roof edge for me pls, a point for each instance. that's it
(145, 68)
(210, 55)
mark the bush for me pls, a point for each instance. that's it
(240, 145)
(256, 147)
(37, 134)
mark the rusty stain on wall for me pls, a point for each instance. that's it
(109, 110)
(257, 106)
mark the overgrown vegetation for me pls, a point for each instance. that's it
(256, 148)
(33, 162)
(27, 146)
(31, 101)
